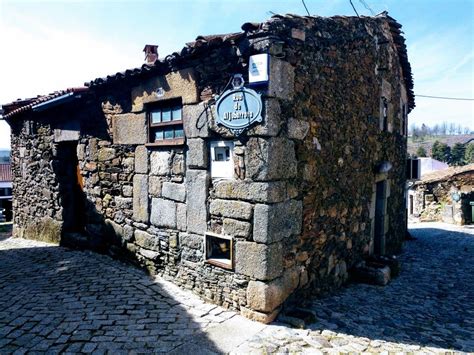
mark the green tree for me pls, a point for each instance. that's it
(457, 154)
(441, 151)
(421, 152)
(469, 154)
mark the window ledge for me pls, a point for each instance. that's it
(166, 142)
(223, 263)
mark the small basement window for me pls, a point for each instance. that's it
(165, 123)
(222, 162)
(219, 250)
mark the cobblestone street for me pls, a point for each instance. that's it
(54, 299)
(429, 308)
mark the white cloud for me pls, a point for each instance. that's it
(41, 59)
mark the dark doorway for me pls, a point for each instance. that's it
(379, 230)
(70, 188)
(411, 204)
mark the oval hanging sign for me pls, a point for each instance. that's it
(239, 108)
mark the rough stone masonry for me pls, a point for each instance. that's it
(313, 190)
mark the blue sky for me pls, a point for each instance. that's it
(53, 45)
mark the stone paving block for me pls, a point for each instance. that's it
(104, 294)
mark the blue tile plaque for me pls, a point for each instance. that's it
(239, 108)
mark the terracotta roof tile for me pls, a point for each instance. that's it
(445, 174)
(16, 107)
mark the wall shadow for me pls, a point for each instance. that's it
(56, 299)
(431, 303)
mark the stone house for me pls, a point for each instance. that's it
(445, 195)
(248, 167)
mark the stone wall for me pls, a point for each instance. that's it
(300, 208)
(340, 80)
(435, 200)
(38, 175)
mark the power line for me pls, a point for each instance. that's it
(446, 98)
(354, 8)
(367, 7)
(305, 7)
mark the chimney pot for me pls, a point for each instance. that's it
(151, 53)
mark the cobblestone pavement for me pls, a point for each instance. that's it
(56, 300)
(429, 308)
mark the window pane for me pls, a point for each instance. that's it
(158, 135)
(169, 133)
(178, 132)
(156, 117)
(166, 115)
(177, 113)
(221, 154)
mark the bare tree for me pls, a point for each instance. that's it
(444, 128)
(452, 128)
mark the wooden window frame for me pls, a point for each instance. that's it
(151, 127)
(227, 264)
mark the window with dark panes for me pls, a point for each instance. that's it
(384, 114)
(166, 123)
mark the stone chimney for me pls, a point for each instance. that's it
(151, 53)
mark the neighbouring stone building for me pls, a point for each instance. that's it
(5, 192)
(445, 195)
(142, 165)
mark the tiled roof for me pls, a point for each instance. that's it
(204, 43)
(199, 45)
(19, 106)
(445, 174)
(395, 29)
(5, 172)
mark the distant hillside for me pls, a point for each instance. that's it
(4, 156)
(427, 142)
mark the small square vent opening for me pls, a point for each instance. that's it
(219, 250)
